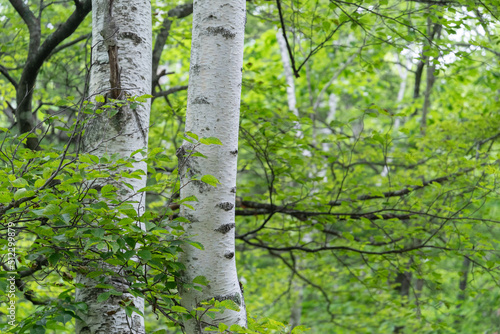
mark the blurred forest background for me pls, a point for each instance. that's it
(367, 197)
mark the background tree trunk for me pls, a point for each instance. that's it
(213, 111)
(127, 24)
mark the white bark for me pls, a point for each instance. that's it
(333, 99)
(213, 111)
(122, 134)
(290, 84)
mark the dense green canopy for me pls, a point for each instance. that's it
(371, 206)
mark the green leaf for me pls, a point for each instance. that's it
(23, 193)
(210, 180)
(201, 280)
(64, 317)
(236, 328)
(19, 183)
(144, 254)
(103, 297)
(191, 198)
(196, 244)
(210, 141)
(223, 327)
(99, 99)
(300, 329)
(192, 135)
(5, 197)
(179, 309)
(37, 330)
(53, 258)
(51, 209)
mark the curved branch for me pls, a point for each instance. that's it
(179, 12)
(170, 91)
(6, 74)
(25, 13)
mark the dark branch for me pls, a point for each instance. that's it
(180, 11)
(66, 45)
(64, 31)
(283, 29)
(401, 192)
(26, 14)
(330, 248)
(170, 91)
(6, 74)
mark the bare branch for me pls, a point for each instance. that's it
(6, 74)
(66, 45)
(180, 12)
(170, 91)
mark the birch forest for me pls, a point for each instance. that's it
(249, 166)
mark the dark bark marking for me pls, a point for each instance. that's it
(234, 152)
(229, 255)
(85, 330)
(191, 218)
(233, 190)
(226, 33)
(202, 186)
(226, 206)
(235, 297)
(225, 228)
(211, 17)
(181, 151)
(133, 36)
(201, 100)
(196, 69)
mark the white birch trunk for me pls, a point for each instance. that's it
(403, 74)
(290, 84)
(333, 99)
(122, 134)
(213, 111)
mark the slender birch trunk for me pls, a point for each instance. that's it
(121, 67)
(403, 74)
(213, 111)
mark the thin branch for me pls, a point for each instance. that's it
(64, 31)
(6, 74)
(496, 53)
(401, 192)
(334, 77)
(283, 29)
(25, 13)
(66, 45)
(179, 12)
(169, 91)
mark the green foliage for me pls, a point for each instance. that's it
(338, 208)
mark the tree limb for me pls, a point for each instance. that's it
(66, 45)
(169, 91)
(179, 12)
(26, 14)
(6, 74)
